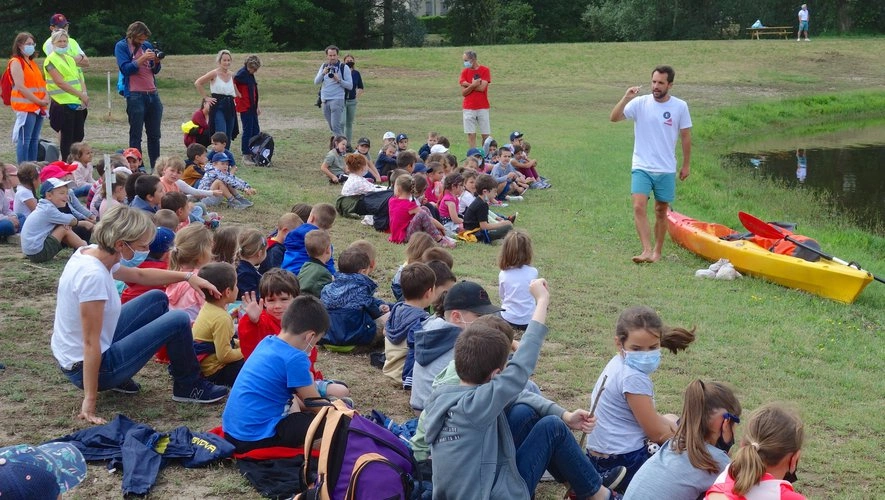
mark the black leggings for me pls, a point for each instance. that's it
(290, 432)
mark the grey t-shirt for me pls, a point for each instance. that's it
(668, 474)
(335, 162)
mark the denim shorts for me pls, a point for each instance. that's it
(663, 185)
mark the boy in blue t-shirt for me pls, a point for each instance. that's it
(266, 405)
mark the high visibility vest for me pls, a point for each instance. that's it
(70, 73)
(34, 82)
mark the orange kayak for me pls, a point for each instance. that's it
(824, 278)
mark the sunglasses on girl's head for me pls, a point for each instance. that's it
(733, 418)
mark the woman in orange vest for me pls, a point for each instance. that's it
(28, 98)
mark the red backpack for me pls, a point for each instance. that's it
(6, 85)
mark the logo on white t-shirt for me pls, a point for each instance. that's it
(668, 120)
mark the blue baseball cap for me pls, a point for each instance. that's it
(44, 471)
(476, 152)
(162, 240)
(221, 156)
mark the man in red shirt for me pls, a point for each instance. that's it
(475, 80)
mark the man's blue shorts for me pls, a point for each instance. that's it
(803, 25)
(663, 185)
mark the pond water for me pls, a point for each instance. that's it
(852, 178)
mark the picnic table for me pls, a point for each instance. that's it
(784, 31)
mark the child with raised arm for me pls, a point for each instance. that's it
(626, 414)
(264, 409)
(263, 317)
(769, 451)
(214, 343)
(314, 274)
(405, 318)
(475, 454)
(687, 464)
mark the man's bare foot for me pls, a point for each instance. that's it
(654, 257)
(643, 258)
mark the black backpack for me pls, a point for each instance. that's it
(261, 147)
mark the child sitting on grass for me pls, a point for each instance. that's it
(214, 344)
(276, 250)
(511, 184)
(476, 216)
(314, 274)
(195, 165)
(626, 414)
(278, 289)
(149, 191)
(177, 203)
(226, 244)
(408, 217)
(118, 194)
(357, 316)
(157, 258)
(47, 230)
(514, 278)
(219, 145)
(322, 216)
(220, 177)
(263, 406)
(418, 244)
(467, 424)
(405, 318)
(192, 251)
(166, 218)
(252, 252)
(449, 210)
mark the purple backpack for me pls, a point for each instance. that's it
(358, 459)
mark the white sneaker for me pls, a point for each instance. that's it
(369, 220)
(515, 198)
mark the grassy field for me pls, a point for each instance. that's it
(769, 342)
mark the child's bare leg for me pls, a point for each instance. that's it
(337, 390)
(67, 236)
(224, 188)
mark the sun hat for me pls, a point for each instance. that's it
(389, 135)
(469, 296)
(439, 148)
(56, 169)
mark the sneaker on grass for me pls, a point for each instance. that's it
(128, 387)
(202, 391)
(243, 201)
(612, 478)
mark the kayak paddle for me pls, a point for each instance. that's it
(760, 227)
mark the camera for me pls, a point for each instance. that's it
(476, 76)
(160, 54)
(332, 70)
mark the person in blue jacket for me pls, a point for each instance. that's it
(139, 61)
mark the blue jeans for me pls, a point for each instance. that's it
(349, 116)
(250, 129)
(548, 443)
(6, 227)
(28, 138)
(334, 112)
(224, 115)
(145, 325)
(145, 111)
(82, 190)
(632, 461)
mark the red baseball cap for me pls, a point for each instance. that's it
(59, 21)
(56, 170)
(132, 153)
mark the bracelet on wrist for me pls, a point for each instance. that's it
(188, 276)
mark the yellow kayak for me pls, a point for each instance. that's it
(824, 278)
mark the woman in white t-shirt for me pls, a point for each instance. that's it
(100, 344)
(223, 114)
(687, 464)
(626, 416)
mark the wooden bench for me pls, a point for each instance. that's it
(784, 31)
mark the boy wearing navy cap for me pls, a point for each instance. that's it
(45, 471)
(219, 177)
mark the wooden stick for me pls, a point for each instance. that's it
(583, 441)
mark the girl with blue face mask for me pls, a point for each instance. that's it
(627, 421)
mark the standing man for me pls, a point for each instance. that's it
(659, 119)
(60, 22)
(139, 62)
(336, 80)
(803, 23)
(475, 80)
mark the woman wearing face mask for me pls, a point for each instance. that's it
(99, 344)
(333, 163)
(687, 464)
(626, 416)
(28, 99)
(67, 88)
(351, 96)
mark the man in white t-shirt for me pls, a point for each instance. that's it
(659, 120)
(803, 23)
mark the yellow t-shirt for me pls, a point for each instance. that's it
(215, 325)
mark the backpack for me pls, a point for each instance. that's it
(358, 459)
(261, 146)
(47, 151)
(6, 85)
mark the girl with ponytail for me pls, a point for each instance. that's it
(769, 451)
(626, 416)
(687, 464)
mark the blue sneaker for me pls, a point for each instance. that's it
(612, 478)
(128, 387)
(202, 391)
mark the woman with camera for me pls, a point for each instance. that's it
(67, 88)
(139, 61)
(223, 116)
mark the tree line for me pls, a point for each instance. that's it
(201, 26)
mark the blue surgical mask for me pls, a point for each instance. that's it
(137, 258)
(645, 361)
(468, 64)
(60, 50)
(28, 50)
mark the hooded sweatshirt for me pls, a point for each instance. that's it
(434, 348)
(296, 252)
(400, 327)
(470, 441)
